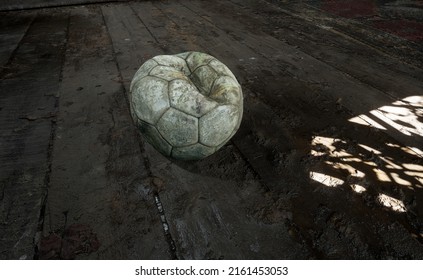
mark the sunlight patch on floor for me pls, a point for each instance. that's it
(341, 163)
(346, 163)
(405, 116)
(393, 203)
(326, 180)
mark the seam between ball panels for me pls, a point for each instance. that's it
(156, 77)
(190, 114)
(198, 131)
(239, 90)
(196, 87)
(155, 125)
(202, 65)
(148, 73)
(156, 62)
(233, 130)
(139, 80)
(215, 70)
(214, 80)
(205, 145)
(170, 101)
(190, 145)
(186, 146)
(211, 87)
(186, 61)
(207, 97)
(160, 134)
(218, 104)
(151, 70)
(182, 111)
(224, 75)
(168, 89)
(165, 111)
(203, 85)
(168, 96)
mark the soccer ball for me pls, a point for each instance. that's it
(186, 105)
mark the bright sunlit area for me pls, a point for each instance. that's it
(359, 166)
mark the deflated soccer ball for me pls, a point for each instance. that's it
(186, 105)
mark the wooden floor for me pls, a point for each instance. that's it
(327, 163)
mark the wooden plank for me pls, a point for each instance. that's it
(132, 41)
(124, 23)
(99, 182)
(357, 97)
(394, 46)
(216, 214)
(12, 30)
(179, 26)
(27, 96)
(196, 204)
(386, 73)
(169, 36)
(299, 64)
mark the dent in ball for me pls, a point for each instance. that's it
(186, 105)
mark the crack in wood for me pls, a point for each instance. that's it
(169, 239)
(44, 199)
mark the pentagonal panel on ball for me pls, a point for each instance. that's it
(185, 97)
(149, 99)
(178, 128)
(216, 126)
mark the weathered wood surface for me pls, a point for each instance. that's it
(260, 196)
(98, 175)
(29, 83)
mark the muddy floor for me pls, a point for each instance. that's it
(327, 163)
